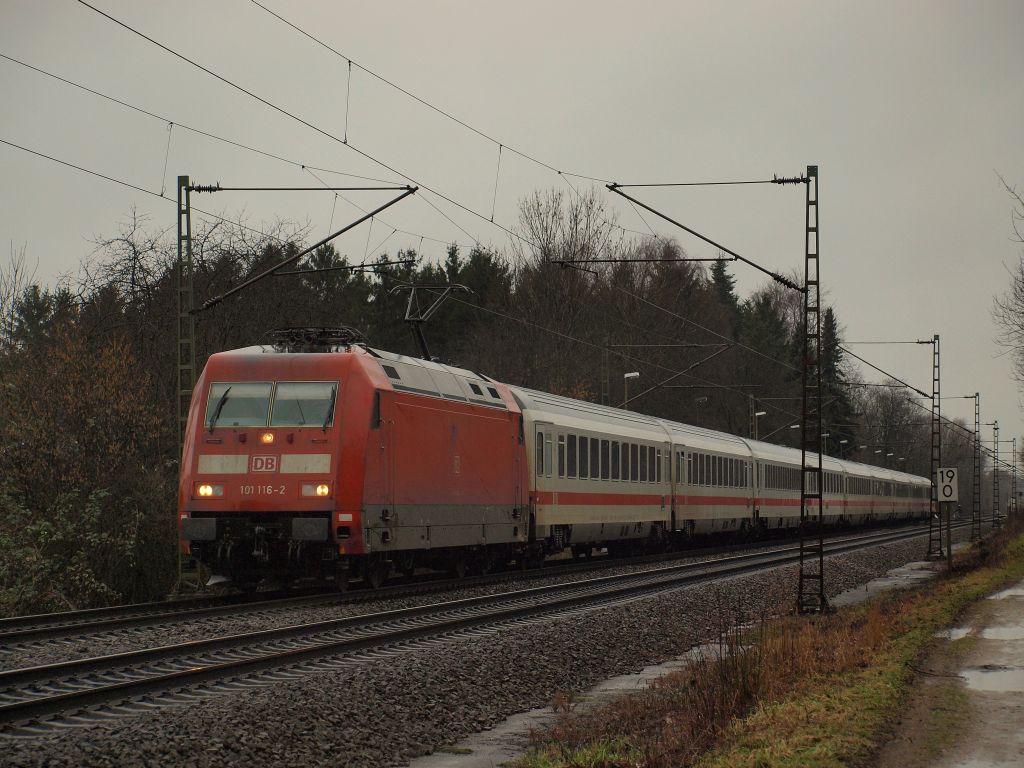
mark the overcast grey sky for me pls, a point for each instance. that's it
(908, 108)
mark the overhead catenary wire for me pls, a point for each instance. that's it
(303, 121)
(883, 372)
(186, 127)
(616, 188)
(167, 157)
(416, 98)
(129, 185)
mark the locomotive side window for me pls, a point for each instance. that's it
(238, 404)
(304, 404)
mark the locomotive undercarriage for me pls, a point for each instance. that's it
(246, 548)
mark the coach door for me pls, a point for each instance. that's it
(544, 498)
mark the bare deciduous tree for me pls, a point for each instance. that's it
(15, 278)
(1008, 309)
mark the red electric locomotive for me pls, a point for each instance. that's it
(315, 456)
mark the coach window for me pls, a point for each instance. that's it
(571, 454)
(616, 460)
(595, 458)
(634, 462)
(540, 454)
(605, 459)
(548, 463)
(643, 463)
(658, 465)
(561, 455)
(584, 458)
(651, 465)
(237, 404)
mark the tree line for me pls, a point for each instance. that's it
(88, 369)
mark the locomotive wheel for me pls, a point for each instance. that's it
(376, 572)
(248, 585)
(406, 562)
(458, 566)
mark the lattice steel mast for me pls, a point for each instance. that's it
(995, 476)
(976, 507)
(935, 550)
(811, 590)
(186, 317)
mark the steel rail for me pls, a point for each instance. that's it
(41, 691)
(56, 626)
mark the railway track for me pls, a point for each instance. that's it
(36, 700)
(75, 624)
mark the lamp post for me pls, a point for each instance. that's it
(757, 415)
(625, 384)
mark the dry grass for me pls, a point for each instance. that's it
(791, 691)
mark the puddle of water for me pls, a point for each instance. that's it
(954, 634)
(1017, 591)
(1003, 633)
(994, 679)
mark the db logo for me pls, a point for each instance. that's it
(264, 464)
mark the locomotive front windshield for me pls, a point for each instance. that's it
(304, 404)
(259, 403)
(238, 404)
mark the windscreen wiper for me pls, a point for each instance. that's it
(330, 405)
(220, 406)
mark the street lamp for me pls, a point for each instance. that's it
(625, 383)
(841, 444)
(757, 415)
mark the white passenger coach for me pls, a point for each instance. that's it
(600, 474)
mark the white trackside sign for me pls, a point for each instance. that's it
(947, 484)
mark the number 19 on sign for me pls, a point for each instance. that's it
(948, 490)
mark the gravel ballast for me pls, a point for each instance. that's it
(183, 629)
(384, 712)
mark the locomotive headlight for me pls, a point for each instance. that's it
(266, 438)
(206, 490)
(322, 490)
(319, 489)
